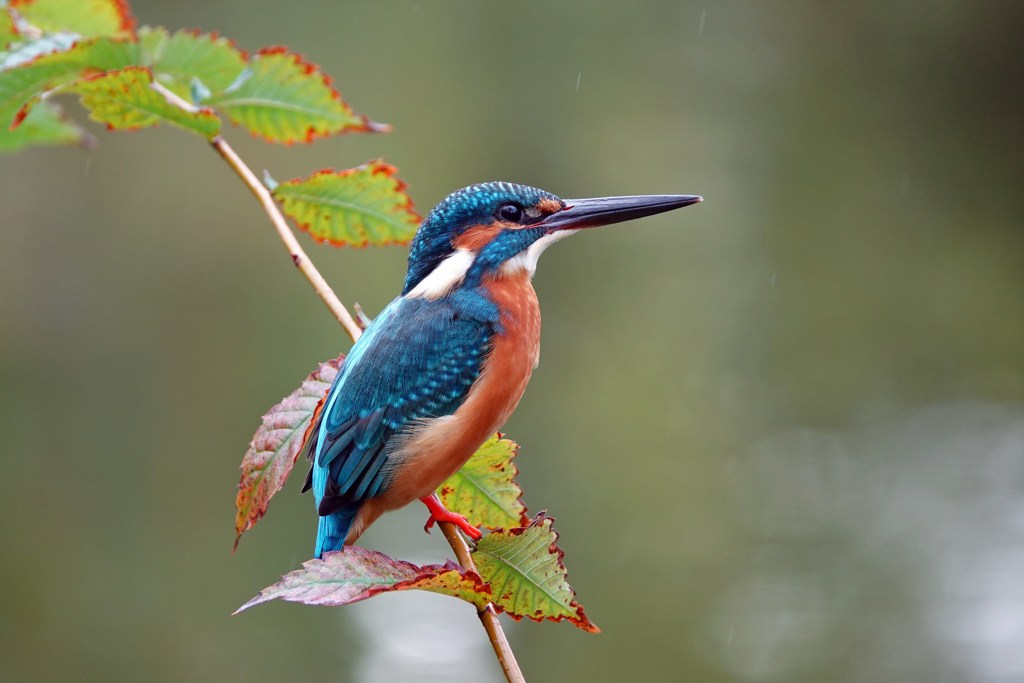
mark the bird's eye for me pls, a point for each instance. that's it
(510, 212)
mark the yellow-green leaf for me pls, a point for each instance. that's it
(357, 207)
(355, 574)
(485, 489)
(43, 64)
(126, 100)
(46, 124)
(527, 577)
(186, 55)
(284, 99)
(51, 61)
(7, 31)
(85, 17)
(26, 49)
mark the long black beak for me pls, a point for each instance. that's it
(590, 213)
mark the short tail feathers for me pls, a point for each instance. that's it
(333, 528)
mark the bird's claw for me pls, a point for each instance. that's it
(439, 513)
(453, 518)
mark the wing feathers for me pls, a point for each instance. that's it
(354, 467)
(417, 360)
(335, 447)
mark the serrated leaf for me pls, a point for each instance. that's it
(358, 207)
(355, 574)
(8, 32)
(276, 445)
(185, 56)
(46, 124)
(86, 17)
(26, 50)
(68, 52)
(125, 100)
(527, 576)
(27, 73)
(284, 99)
(485, 488)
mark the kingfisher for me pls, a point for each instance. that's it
(443, 366)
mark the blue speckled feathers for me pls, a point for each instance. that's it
(417, 360)
(445, 364)
(461, 209)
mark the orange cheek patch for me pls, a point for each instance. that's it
(477, 237)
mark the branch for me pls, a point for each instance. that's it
(488, 617)
(298, 255)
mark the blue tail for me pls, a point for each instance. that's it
(333, 528)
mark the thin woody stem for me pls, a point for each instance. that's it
(488, 616)
(299, 257)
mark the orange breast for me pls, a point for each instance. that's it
(434, 452)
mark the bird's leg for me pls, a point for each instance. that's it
(439, 513)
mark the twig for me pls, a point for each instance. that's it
(174, 99)
(488, 616)
(298, 255)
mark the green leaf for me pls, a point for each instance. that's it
(8, 33)
(284, 99)
(180, 58)
(45, 63)
(276, 446)
(27, 73)
(88, 18)
(126, 100)
(27, 49)
(355, 574)
(61, 53)
(46, 124)
(485, 489)
(527, 577)
(360, 206)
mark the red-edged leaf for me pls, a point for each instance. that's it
(527, 576)
(85, 17)
(45, 125)
(43, 64)
(355, 574)
(284, 99)
(25, 49)
(276, 445)
(8, 32)
(179, 58)
(485, 488)
(358, 207)
(126, 100)
(47, 62)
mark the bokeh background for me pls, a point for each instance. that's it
(782, 432)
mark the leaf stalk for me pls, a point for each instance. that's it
(295, 250)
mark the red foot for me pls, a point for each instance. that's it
(439, 513)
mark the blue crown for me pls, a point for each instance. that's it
(473, 205)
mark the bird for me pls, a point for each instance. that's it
(443, 366)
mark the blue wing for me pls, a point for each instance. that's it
(418, 359)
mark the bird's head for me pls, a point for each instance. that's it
(504, 227)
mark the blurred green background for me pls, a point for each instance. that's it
(782, 431)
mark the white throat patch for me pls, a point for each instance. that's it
(527, 259)
(445, 276)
